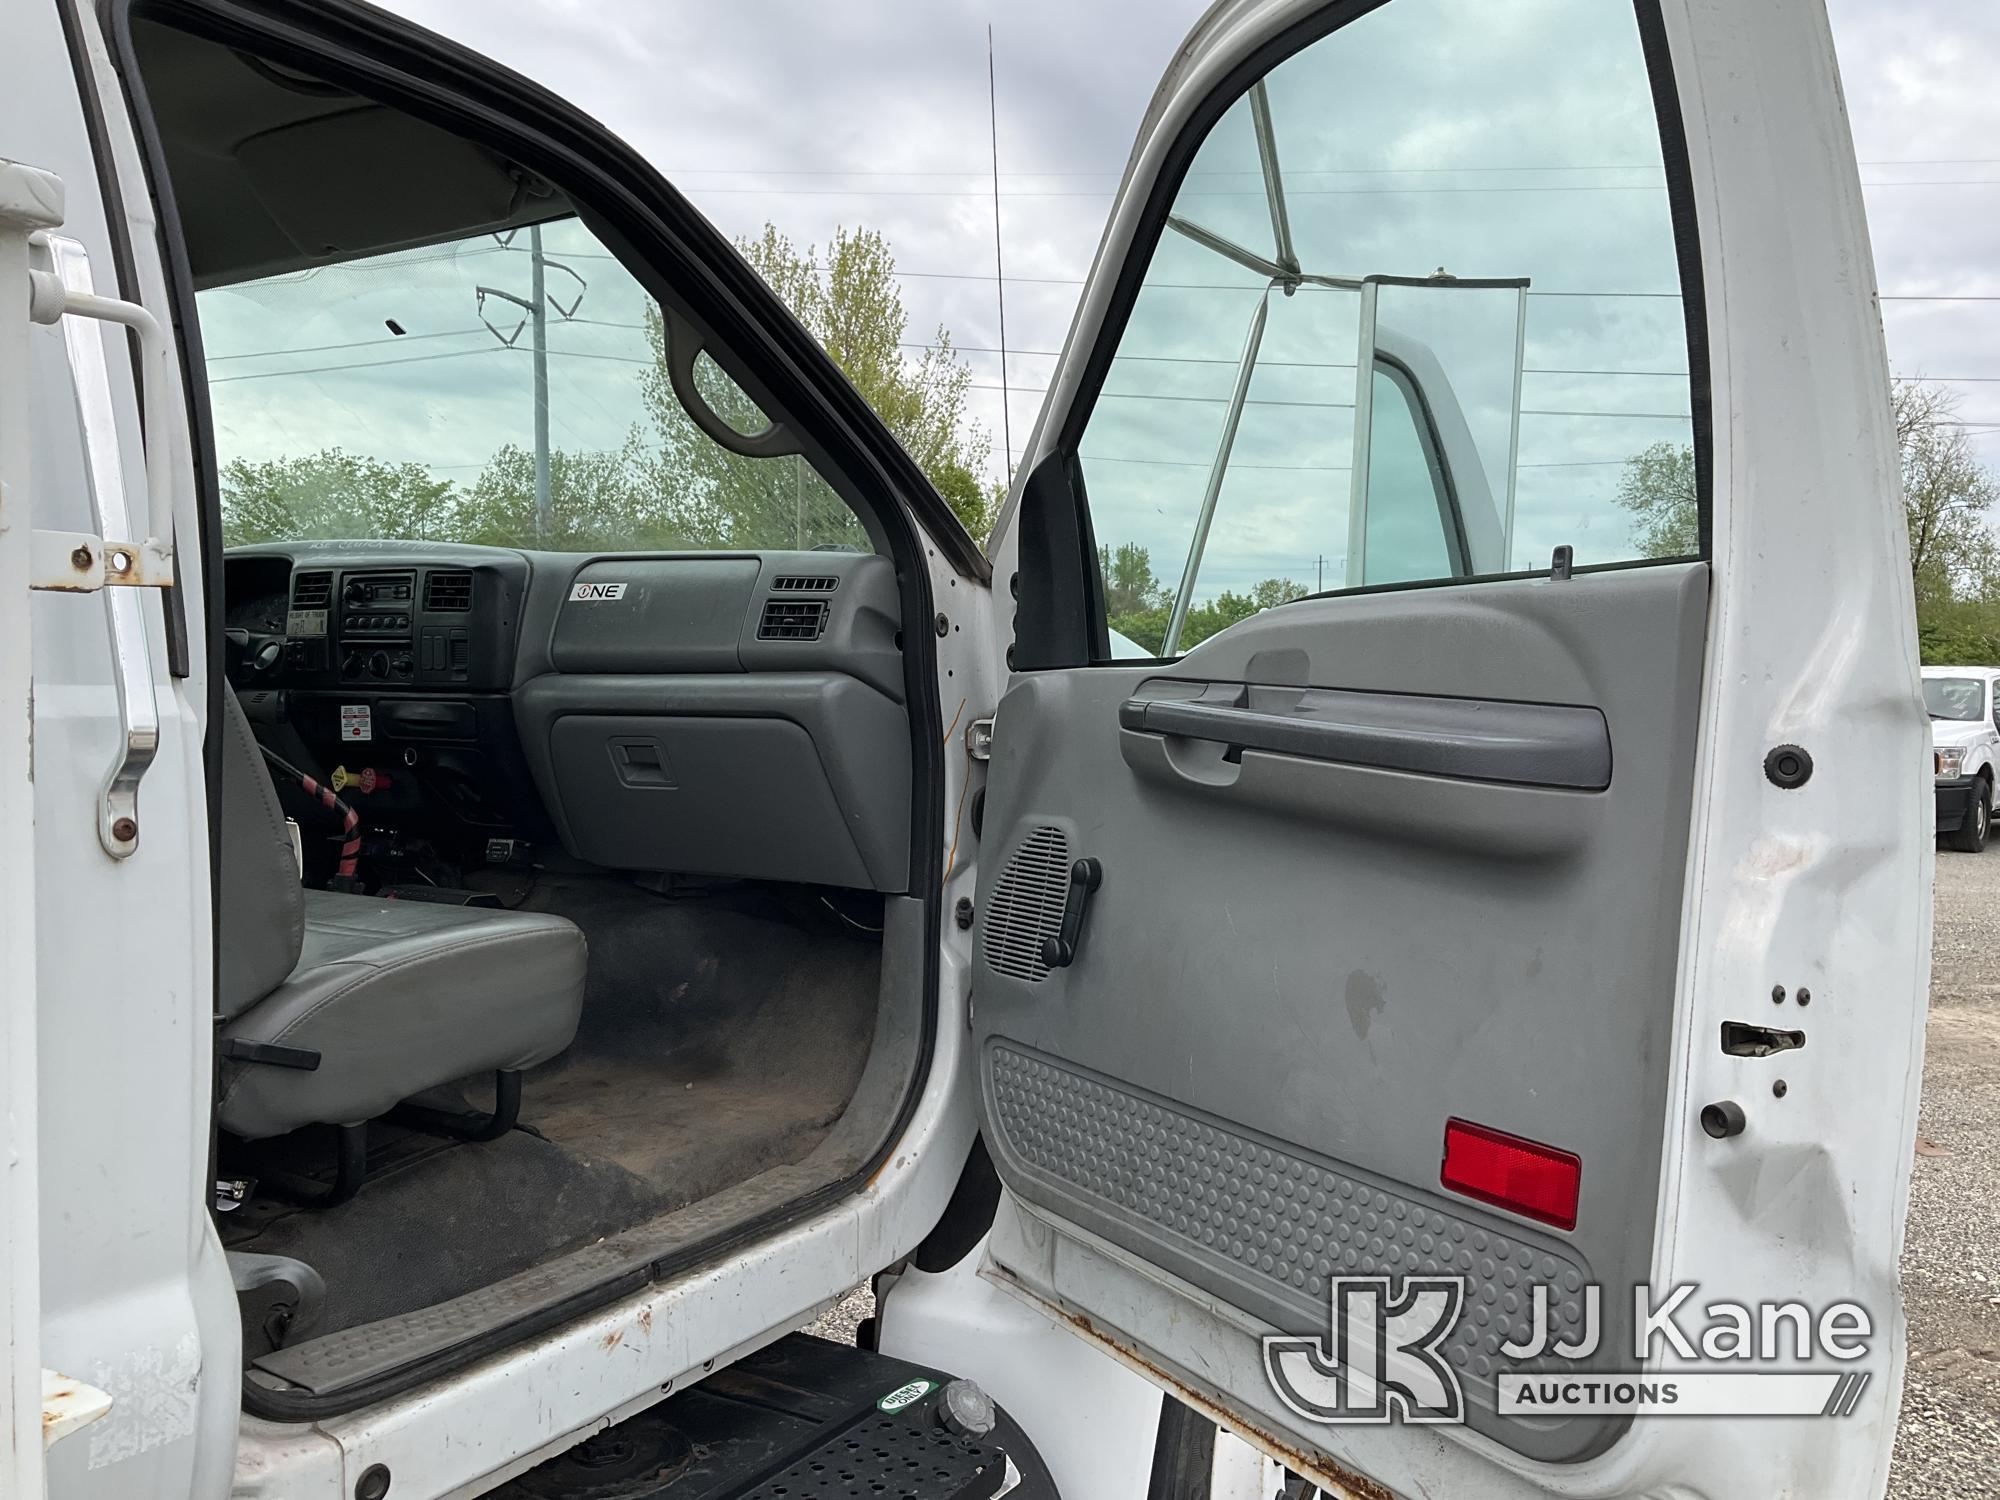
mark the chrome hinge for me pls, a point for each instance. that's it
(979, 739)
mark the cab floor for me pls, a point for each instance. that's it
(722, 1035)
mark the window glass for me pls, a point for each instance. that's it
(1960, 698)
(1410, 533)
(1416, 315)
(403, 396)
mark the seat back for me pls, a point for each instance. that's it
(262, 910)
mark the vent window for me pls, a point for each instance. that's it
(312, 590)
(796, 583)
(792, 620)
(448, 593)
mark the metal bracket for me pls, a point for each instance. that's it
(79, 563)
(68, 1404)
(979, 739)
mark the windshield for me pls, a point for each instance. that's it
(1955, 698)
(509, 389)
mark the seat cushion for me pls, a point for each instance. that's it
(398, 997)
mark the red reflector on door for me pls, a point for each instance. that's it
(1530, 1179)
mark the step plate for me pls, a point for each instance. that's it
(802, 1419)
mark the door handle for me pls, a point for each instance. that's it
(1085, 876)
(1528, 744)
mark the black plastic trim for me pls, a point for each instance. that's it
(967, 1216)
(1687, 251)
(1061, 595)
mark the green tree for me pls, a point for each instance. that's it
(848, 299)
(1228, 608)
(334, 493)
(1947, 494)
(1138, 607)
(717, 498)
(597, 500)
(1129, 584)
(1658, 488)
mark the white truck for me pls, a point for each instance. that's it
(1965, 745)
(1379, 1032)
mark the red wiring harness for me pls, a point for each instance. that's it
(350, 820)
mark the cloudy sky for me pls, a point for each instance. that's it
(874, 113)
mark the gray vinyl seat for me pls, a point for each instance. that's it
(394, 997)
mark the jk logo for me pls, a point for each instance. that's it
(1380, 1360)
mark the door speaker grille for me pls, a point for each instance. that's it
(1027, 905)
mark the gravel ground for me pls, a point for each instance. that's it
(839, 1321)
(1948, 1440)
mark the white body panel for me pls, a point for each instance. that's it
(135, 1298)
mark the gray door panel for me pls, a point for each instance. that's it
(1303, 958)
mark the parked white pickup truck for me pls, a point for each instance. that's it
(1965, 745)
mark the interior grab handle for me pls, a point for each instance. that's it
(125, 612)
(1085, 876)
(1567, 746)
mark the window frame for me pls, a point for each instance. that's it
(1054, 631)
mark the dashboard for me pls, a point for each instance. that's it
(734, 714)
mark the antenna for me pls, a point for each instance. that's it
(999, 271)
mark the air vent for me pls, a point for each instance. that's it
(447, 593)
(792, 620)
(312, 590)
(1026, 906)
(796, 583)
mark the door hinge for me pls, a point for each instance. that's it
(80, 562)
(979, 739)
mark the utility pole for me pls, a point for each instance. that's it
(535, 317)
(538, 315)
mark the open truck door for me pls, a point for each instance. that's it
(1503, 902)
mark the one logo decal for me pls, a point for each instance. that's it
(590, 593)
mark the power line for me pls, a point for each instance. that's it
(1290, 172)
(957, 348)
(1346, 192)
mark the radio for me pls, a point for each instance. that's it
(377, 605)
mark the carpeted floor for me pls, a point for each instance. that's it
(722, 1034)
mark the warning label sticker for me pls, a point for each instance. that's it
(903, 1395)
(357, 722)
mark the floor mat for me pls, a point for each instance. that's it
(439, 1225)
